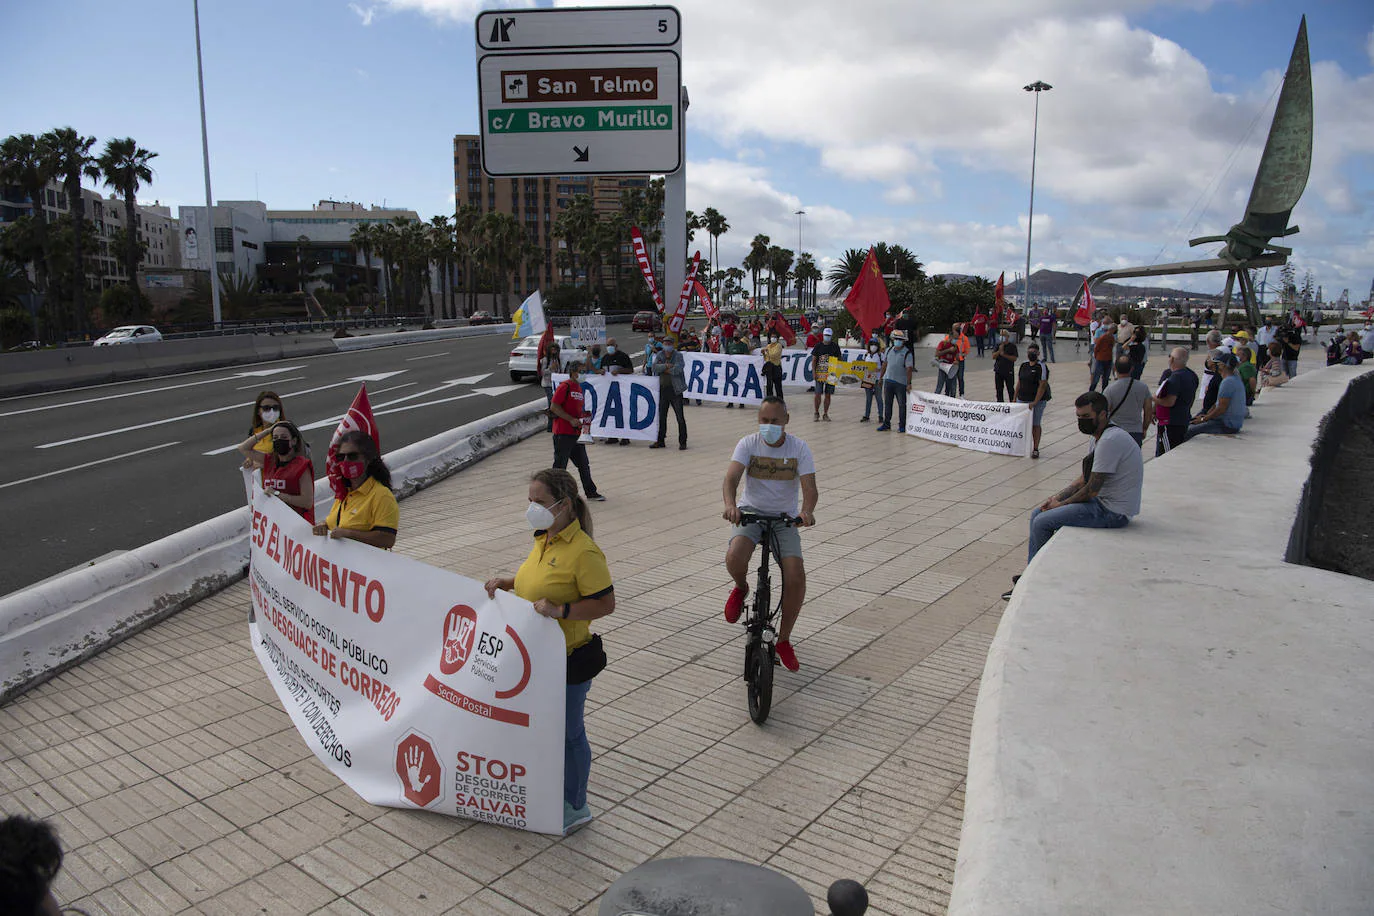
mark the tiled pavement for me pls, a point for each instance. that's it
(178, 784)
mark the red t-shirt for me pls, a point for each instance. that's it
(980, 325)
(287, 479)
(569, 397)
(728, 329)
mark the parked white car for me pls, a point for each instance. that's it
(130, 334)
(524, 357)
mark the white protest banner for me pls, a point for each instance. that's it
(407, 681)
(723, 377)
(983, 426)
(622, 406)
(587, 330)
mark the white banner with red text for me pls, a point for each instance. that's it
(407, 681)
(984, 426)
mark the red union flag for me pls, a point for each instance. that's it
(359, 417)
(645, 267)
(1084, 316)
(674, 324)
(868, 301)
(712, 312)
(999, 297)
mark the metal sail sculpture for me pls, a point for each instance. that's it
(1279, 183)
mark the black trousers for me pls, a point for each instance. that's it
(1175, 435)
(669, 397)
(1002, 381)
(565, 447)
(772, 378)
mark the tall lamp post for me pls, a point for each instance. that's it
(209, 199)
(799, 215)
(1037, 87)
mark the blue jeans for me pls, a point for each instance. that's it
(577, 751)
(1290, 368)
(873, 397)
(894, 391)
(961, 378)
(1090, 514)
(1102, 368)
(1211, 426)
(1047, 347)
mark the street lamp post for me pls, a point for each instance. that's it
(800, 214)
(1037, 87)
(209, 199)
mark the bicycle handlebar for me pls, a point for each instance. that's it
(787, 521)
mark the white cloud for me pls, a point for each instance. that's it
(365, 15)
(1369, 46)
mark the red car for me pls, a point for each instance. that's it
(481, 318)
(645, 321)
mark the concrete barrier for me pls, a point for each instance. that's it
(57, 624)
(408, 337)
(1173, 719)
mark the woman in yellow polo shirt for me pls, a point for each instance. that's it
(368, 511)
(566, 578)
(267, 410)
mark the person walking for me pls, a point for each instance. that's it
(367, 512)
(569, 412)
(1104, 351)
(566, 578)
(670, 368)
(901, 363)
(1033, 390)
(873, 395)
(1004, 370)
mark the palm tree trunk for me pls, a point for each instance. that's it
(76, 205)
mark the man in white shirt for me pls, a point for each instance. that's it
(776, 468)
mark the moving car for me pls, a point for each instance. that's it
(481, 318)
(130, 334)
(644, 321)
(524, 357)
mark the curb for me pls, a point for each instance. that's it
(55, 625)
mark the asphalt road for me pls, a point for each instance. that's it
(112, 467)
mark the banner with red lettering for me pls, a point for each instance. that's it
(707, 305)
(406, 680)
(673, 325)
(646, 266)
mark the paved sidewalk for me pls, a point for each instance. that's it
(178, 783)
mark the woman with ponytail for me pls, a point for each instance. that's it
(368, 511)
(566, 578)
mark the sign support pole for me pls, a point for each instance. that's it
(675, 223)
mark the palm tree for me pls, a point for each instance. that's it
(125, 165)
(734, 282)
(466, 243)
(807, 274)
(69, 156)
(364, 238)
(24, 165)
(576, 225)
(715, 225)
(892, 259)
(779, 270)
(441, 252)
(757, 259)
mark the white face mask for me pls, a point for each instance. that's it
(270, 416)
(872, 348)
(541, 518)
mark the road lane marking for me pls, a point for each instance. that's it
(279, 381)
(89, 464)
(129, 394)
(430, 356)
(203, 413)
(230, 448)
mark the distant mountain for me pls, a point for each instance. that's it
(1058, 284)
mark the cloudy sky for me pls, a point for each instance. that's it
(896, 120)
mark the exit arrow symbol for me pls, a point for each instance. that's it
(582, 153)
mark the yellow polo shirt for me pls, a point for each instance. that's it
(264, 444)
(370, 506)
(565, 570)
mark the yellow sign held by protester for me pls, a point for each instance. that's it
(838, 372)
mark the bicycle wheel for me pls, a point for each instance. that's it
(761, 684)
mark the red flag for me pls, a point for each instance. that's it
(784, 329)
(673, 325)
(999, 297)
(545, 340)
(1084, 316)
(359, 417)
(805, 325)
(645, 267)
(712, 312)
(868, 301)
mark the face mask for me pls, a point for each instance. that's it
(667, 348)
(540, 518)
(1087, 427)
(611, 348)
(282, 447)
(771, 433)
(353, 469)
(772, 340)
(873, 348)
(1032, 356)
(269, 415)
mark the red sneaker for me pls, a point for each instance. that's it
(787, 656)
(734, 605)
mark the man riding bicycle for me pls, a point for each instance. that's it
(774, 466)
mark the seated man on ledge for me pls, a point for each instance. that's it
(1107, 492)
(1227, 415)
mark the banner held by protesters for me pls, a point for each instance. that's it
(621, 406)
(982, 426)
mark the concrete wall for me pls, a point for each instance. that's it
(1172, 719)
(59, 623)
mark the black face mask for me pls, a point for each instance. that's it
(282, 447)
(1033, 357)
(1087, 427)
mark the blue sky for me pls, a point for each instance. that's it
(900, 121)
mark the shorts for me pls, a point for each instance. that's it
(788, 538)
(1037, 411)
(824, 388)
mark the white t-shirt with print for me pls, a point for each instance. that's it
(772, 476)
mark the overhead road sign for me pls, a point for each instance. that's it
(591, 91)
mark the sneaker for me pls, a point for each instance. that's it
(734, 605)
(598, 497)
(863, 419)
(826, 417)
(816, 418)
(882, 429)
(787, 656)
(658, 445)
(729, 406)
(575, 817)
(1006, 595)
(682, 446)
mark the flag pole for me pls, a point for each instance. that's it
(209, 200)
(1037, 87)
